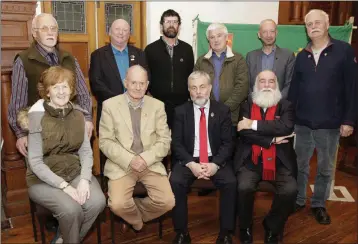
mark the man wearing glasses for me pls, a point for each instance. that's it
(170, 63)
(28, 67)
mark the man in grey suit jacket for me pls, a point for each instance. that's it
(271, 57)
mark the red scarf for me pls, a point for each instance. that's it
(268, 155)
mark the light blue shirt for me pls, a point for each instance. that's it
(268, 60)
(122, 61)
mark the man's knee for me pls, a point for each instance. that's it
(120, 205)
(289, 189)
(98, 203)
(166, 202)
(245, 186)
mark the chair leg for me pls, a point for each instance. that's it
(98, 222)
(112, 226)
(34, 229)
(42, 229)
(161, 227)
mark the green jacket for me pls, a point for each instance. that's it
(58, 146)
(234, 80)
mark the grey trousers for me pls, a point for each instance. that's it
(74, 220)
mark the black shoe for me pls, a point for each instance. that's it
(321, 215)
(246, 235)
(270, 237)
(224, 239)
(182, 238)
(298, 207)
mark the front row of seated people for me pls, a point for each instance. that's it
(134, 136)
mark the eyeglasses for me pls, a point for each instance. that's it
(175, 22)
(47, 28)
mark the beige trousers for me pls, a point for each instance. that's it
(135, 211)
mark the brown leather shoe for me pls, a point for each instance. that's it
(124, 227)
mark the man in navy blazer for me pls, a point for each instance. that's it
(202, 149)
(280, 60)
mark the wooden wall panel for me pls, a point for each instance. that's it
(16, 36)
(293, 13)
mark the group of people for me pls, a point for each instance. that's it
(223, 118)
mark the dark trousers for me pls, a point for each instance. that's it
(283, 201)
(182, 178)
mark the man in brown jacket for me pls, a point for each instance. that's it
(227, 70)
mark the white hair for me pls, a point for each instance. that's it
(264, 99)
(325, 15)
(198, 74)
(35, 19)
(215, 26)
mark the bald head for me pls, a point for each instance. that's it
(119, 33)
(267, 32)
(136, 82)
(137, 71)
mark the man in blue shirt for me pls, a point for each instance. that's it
(271, 57)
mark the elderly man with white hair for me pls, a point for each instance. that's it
(323, 91)
(28, 67)
(227, 70)
(265, 153)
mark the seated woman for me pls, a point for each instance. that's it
(60, 159)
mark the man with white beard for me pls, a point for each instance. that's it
(265, 153)
(202, 149)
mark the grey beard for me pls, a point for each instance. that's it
(266, 99)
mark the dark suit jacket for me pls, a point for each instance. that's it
(219, 130)
(104, 76)
(283, 67)
(283, 125)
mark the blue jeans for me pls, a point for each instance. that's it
(326, 142)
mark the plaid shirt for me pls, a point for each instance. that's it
(19, 90)
(170, 48)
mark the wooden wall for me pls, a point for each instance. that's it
(16, 36)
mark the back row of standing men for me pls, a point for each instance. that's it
(321, 82)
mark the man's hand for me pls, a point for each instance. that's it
(89, 127)
(210, 169)
(346, 130)
(196, 169)
(21, 145)
(244, 124)
(83, 191)
(283, 139)
(138, 163)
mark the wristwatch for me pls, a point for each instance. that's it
(63, 186)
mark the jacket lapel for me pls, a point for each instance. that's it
(258, 62)
(276, 59)
(124, 111)
(211, 120)
(191, 125)
(133, 59)
(144, 114)
(112, 61)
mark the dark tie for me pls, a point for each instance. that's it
(203, 150)
(53, 60)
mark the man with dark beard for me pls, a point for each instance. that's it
(265, 153)
(170, 62)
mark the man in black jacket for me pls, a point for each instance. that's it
(265, 152)
(170, 62)
(323, 93)
(109, 64)
(202, 149)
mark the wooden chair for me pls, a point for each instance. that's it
(42, 214)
